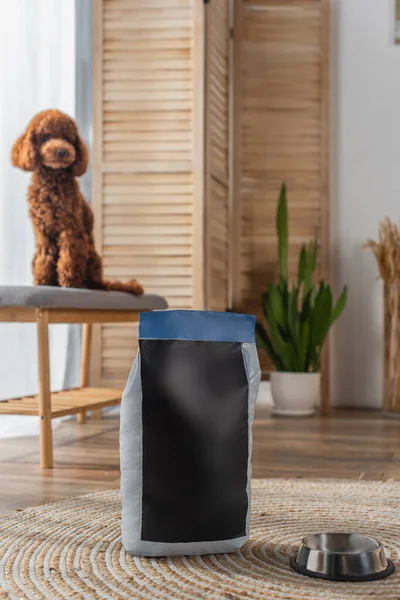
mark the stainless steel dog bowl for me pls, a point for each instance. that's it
(342, 557)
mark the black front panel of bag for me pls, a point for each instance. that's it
(195, 441)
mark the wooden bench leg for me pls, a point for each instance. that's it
(46, 441)
(85, 363)
(96, 414)
(81, 417)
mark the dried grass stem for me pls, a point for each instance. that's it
(387, 251)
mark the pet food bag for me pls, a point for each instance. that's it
(186, 419)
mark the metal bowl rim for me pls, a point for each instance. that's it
(336, 553)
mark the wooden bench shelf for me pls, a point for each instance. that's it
(66, 402)
(48, 405)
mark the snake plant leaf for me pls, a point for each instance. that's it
(276, 304)
(293, 359)
(306, 306)
(298, 314)
(303, 346)
(339, 306)
(310, 266)
(263, 341)
(313, 295)
(302, 265)
(283, 348)
(283, 287)
(282, 230)
(321, 315)
(312, 255)
(315, 360)
(294, 317)
(316, 363)
(284, 333)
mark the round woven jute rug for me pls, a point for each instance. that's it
(72, 549)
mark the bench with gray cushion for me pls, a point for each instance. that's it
(45, 305)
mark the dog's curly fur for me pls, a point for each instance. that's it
(65, 256)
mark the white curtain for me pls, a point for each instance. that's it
(37, 71)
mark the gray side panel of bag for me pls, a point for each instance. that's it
(253, 372)
(131, 459)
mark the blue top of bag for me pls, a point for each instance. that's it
(199, 325)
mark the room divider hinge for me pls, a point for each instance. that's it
(231, 32)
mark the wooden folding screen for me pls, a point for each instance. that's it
(216, 154)
(163, 200)
(281, 92)
(160, 189)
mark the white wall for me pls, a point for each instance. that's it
(37, 71)
(365, 186)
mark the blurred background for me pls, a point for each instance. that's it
(195, 114)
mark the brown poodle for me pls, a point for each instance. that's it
(62, 219)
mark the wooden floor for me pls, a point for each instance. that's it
(349, 444)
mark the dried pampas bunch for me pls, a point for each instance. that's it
(387, 251)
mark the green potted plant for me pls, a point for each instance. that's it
(298, 318)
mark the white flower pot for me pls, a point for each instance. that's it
(295, 394)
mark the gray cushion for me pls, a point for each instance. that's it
(44, 296)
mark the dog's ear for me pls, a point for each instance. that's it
(24, 154)
(81, 162)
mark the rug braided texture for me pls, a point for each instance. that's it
(72, 549)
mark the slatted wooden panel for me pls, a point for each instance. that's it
(281, 51)
(216, 154)
(148, 157)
